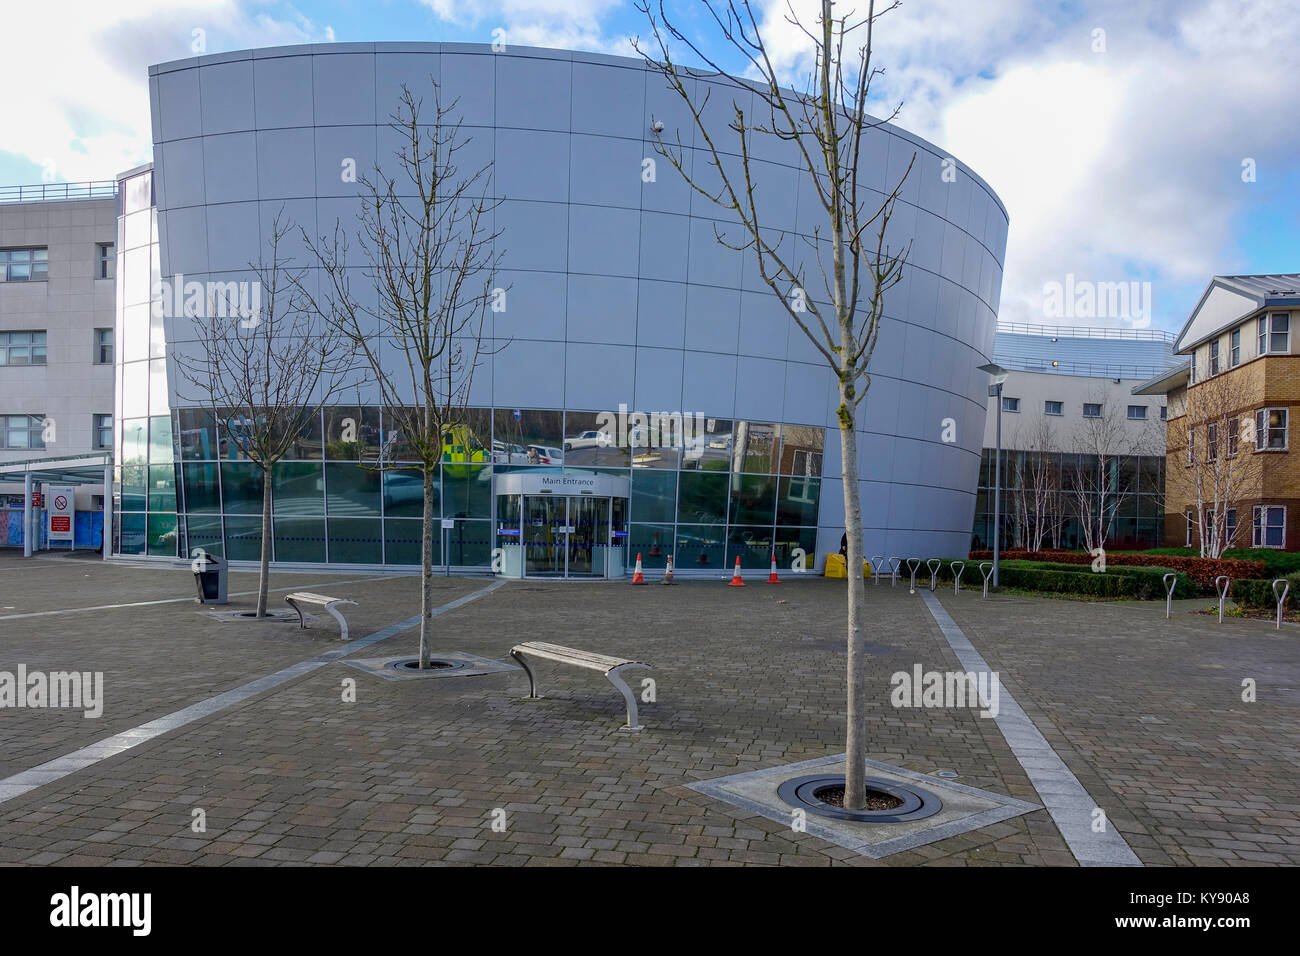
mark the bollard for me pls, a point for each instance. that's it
(877, 565)
(986, 569)
(914, 564)
(934, 564)
(1286, 588)
(895, 564)
(958, 567)
(1171, 582)
(1223, 594)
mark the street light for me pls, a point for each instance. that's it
(999, 375)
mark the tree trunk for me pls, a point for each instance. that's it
(855, 760)
(264, 571)
(426, 570)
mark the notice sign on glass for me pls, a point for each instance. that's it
(59, 512)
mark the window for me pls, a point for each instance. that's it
(22, 348)
(1053, 408)
(1137, 412)
(1274, 333)
(22, 431)
(1191, 445)
(1164, 413)
(103, 346)
(1230, 532)
(1234, 433)
(1091, 410)
(103, 431)
(1214, 357)
(104, 269)
(1211, 441)
(1269, 529)
(1190, 524)
(1270, 429)
(1010, 404)
(23, 265)
(1234, 351)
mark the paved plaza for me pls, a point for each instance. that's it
(1145, 714)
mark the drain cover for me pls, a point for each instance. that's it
(917, 803)
(436, 664)
(946, 774)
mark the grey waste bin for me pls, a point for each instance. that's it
(209, 577)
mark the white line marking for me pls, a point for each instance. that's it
(60, 767)
(109, 607)
(1060, 790)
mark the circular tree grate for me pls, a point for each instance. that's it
(435, 664)
(887, 800)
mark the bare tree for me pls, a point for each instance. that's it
(1097, 484)
(823, 127)
(1039, 497)
(265, 366)
(426, 242)
(1220, 471)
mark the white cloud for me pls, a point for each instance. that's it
(1112, 163)
(83, 103)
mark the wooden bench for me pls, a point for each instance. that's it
(321, 600)
(611, 667)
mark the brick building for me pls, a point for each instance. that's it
(1231, 480)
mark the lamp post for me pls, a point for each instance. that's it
(999, 375)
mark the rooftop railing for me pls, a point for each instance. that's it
(49, 192)
(1066, 332)
(1024, 363)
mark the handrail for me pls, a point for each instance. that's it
(1070, 332)
(49, 192)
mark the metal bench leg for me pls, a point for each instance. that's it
(615, 678)
(338, 616)
(532, 680)
(302, 621)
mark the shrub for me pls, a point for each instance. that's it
(1201, 571)
(1143, 583)
(1253, 592)
(1276, 564)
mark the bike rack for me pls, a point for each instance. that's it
(1286, 588)
(1223, 593)
(934, 564)
(958, 567)
(1171, 582)
(914, 564)
(986, 569)
(895, 564)
(877, 565)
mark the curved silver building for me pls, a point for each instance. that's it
(619, 296)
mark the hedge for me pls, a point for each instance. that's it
(1201, 571)
(1143, 583)
(1258, 592)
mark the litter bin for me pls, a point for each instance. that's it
(209, 577)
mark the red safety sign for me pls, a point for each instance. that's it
(36, 499)
(60, 523)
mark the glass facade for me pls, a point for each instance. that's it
(1133, 487)
(146, 476)
(361, 503)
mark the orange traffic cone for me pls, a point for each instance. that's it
(668, 572)
(654, 550)
(637, 576)
(702, 559)
(735, 581)
(772, 578)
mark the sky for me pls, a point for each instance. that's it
(1147, 141)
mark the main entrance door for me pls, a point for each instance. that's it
(542, 533)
